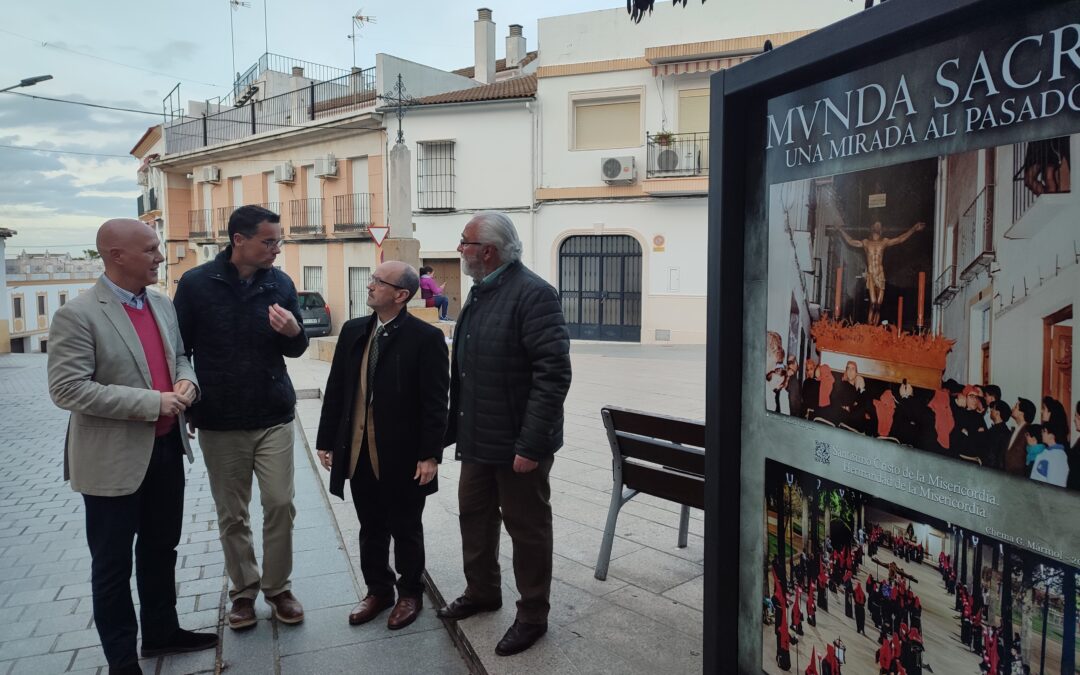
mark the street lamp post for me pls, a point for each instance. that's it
(28, 82)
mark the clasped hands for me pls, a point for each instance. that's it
(177, 401)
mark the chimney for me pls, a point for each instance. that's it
(515, 46)
(484, 30)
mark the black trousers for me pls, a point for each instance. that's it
(385, 511)
(152, 517)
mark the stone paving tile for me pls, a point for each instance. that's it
(46, 625)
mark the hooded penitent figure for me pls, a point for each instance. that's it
(943, 418)
(886, 408)
(811, 669)
(825, 375)
(830, 664)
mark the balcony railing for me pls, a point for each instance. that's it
(976, 234)
(352, 214)
(305, 216)
(1037, 170)
(200, 224)
(221, 220)
(675, 155)
(945, 286)
(347, 93)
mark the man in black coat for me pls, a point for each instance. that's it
(239, 317)
(382, 427)
(509, 379)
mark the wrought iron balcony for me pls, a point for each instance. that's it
(976, 235)
(306, 217)
(200, 224)
(677, 155)
(221, 220)
(147, 202)
(352, 214)
(945, 286)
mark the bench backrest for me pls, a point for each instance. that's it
(658, 455)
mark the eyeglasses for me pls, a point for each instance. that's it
(471, 243)
(270, 244)
(377, 280)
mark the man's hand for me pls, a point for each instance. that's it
(186, 389)
(426, 470)
(283, 321)
(524, 464)
(326, 458)
(172, 404)
(919, 227)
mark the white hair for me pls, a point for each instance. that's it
(496, 228)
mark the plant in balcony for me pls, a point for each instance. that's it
(664, 138)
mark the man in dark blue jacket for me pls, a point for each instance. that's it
(239, 317)
(509, 379)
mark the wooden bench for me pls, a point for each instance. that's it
(654, 455)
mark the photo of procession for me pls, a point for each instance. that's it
(931, 304)
(855, 584)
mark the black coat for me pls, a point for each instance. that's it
(238, 356)
(411, 381)
(511, 370)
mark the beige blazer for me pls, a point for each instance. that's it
(98, 372)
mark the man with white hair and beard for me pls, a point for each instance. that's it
(509, 377)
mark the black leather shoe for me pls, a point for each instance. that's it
(463, 608)
(520, 637)
(181, 641)
(130, 669)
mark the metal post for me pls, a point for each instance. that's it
(204, 125)
(251, 105)
(312, 94)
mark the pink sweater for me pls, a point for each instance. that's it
(150, 337)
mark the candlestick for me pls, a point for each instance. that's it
(836, 302)
(922, 300)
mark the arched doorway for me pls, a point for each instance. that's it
(600, 284)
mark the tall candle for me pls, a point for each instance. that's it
(922, 300)
(836, 302)
(899, 315)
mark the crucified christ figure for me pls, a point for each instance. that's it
(875, 262)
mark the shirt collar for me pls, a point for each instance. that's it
(497, 272)
(126, 297)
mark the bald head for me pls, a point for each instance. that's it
(129, 249)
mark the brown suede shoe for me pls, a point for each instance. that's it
(369, 608)
(405, 612)
(242, 614)
(286, 608)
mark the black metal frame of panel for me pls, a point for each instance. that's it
(737, 188)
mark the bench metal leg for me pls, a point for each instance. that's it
(618, 498)
(684, 525)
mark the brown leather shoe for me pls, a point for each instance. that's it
(286, 608)
(242, 614)
(520, 637)
(405, 612)
(464, 607)
(369, 608)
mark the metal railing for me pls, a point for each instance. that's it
(975, 234)
(352, 213)
(945, 286)
(348, 93)
(284, 64)
(148, 202)
(201, 224)
(305, 216)
(672, 155)
(221, 219)
(1036, 171)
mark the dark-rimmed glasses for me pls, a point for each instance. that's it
(387, 283)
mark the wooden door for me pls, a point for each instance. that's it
(1057, 357)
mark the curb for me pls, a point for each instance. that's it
(435, 596)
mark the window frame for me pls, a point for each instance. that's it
(451, 176)
(599, 97)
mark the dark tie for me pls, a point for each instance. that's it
(373, 360)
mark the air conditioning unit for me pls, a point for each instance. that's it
(209, 251)
(181, 251)
(284, 173)
(326, 167)
(678, 159)
(210, 174)
(618, 170)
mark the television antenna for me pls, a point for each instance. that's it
(234, 5)
(358, 21)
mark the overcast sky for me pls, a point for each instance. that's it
(58, 200)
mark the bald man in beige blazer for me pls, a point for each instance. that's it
(116, 362)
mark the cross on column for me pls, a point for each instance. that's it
(399, 99)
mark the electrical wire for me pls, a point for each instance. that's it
(49, 45)
(63, 152)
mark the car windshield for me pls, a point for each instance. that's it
(311, 301)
